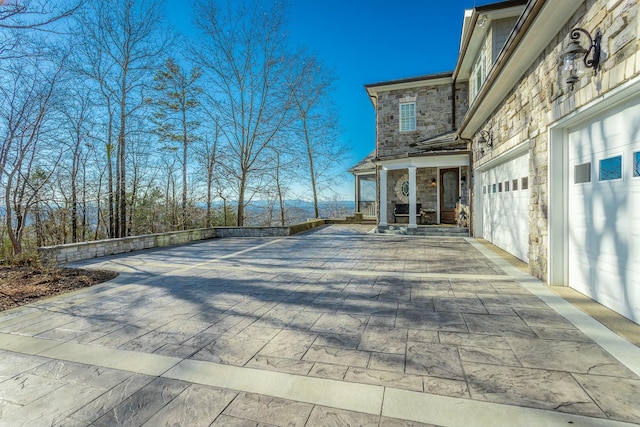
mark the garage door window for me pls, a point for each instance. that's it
(636, 163)
(611, 168)
(515, 184)
(525, 183)
(582, 173)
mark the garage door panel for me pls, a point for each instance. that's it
(604, 216)
(506, 213)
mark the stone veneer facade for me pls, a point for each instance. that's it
(540, 98)
(435, 111)
(434, 115)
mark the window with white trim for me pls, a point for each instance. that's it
(479, 71)
(407, 117)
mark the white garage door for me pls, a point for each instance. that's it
(505, 206)
(604, 209)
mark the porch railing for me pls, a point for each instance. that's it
(368, 209)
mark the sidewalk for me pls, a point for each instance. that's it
(333, 327)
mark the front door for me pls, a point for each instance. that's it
(449, 195)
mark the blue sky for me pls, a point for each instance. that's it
(369, 41)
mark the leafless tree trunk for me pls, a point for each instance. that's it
(279, 191)
(76, 113)
(207, 156)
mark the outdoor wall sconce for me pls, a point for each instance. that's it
(486, 138)
(433, 182)
(575, 57)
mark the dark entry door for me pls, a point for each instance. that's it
(448, 195)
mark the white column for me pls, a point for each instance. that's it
(357, 193)
(412, 197)
(383, 198)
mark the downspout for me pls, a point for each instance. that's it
(453, 105)
(470, 182)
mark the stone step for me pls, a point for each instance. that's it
(424, 231)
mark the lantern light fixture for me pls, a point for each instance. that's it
(485, 138)
(575, 57)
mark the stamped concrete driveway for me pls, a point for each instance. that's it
(333, 327)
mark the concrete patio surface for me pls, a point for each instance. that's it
(333, 327)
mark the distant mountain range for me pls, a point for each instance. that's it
(295, 210)
(258, 211)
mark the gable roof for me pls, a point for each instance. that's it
(412, 82)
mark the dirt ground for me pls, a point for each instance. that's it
(21, 285)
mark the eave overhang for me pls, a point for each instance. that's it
(449, 158)
(414, 82)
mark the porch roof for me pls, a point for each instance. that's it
(364, 165)
(440, 158)
(446, 141)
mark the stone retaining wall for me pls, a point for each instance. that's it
(63, 254)
(268, 231)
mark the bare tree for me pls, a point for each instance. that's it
(143, 172)
(284, 160)
(243, 54)
(169, 161)
(93, 63)
(207, 154)
(27, 103)
(123, 43)
(316, 124)
(76, 113)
